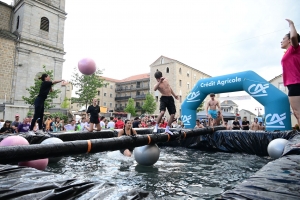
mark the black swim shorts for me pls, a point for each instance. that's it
(294, 90)
(167, 102)
(94, 120)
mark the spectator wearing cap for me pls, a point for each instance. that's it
(16, 123)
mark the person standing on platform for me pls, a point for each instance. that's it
(39, 102)
(166, 100)
(211, 109)
(245, 124)
(94, 111)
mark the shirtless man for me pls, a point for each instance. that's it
(166, 100)
(198, 124)
(212, 112)
(261, 126)
(255, 126)
(219, 119)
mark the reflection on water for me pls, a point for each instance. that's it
(179, 173)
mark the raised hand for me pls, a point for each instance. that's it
(289, 21)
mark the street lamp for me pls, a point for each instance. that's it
(258, 109)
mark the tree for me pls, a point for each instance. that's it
(130, 108)
(34, 91)
(65, 103)
(87, 86)
(200, 107)
(149, 104)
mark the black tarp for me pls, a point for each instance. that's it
(251, 142)
(28, 183)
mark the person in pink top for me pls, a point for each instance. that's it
(291, 68)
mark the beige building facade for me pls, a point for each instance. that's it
(182, 79)
(31, 36)
(278, 82)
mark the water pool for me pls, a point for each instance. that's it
(180, 173)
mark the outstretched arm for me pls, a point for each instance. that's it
(293, 33)
(54, 82)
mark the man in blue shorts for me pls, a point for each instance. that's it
(211, 109)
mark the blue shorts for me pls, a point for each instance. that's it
(213, 113)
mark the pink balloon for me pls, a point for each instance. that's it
(87, 66)
(40, 164)
(13, 141)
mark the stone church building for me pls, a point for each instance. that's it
(31, 36)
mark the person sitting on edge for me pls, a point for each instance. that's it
(219, 119)
(254, 126)
(24, 127)
(119, 124)
(71, 126)
(166, 100)
(94, 111)
(211, 109)
(236, 124)
(127, 131)
(245, 124)
(198, 124)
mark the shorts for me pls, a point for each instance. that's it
(213, 113)
(122, 150)
(167, 102)
(294, 90)
(94, 120)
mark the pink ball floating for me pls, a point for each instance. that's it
(13, 141)
(87, 66)
(40, 164)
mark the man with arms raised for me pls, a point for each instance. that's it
(166, 100)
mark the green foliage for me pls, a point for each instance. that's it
(200, 107)
(30, 113)
(130, 108)
(149, 104)
(65, 104)
(87, 86)
(60, 115)
(35, 89)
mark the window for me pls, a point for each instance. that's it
(110, 95)
(116, 105)
(281, 87)
(194, 76)
(179, 70)
(180, 99)
(18, 21)
(125, 104)
(105, 85)
(162, 61)
(104, 103)
(180, 83)
(110, 105)
(120, 105)
(188, 74)
(44, 24)
(167, 70)
(98, 93)
(104, 94)
(111, 87)
(188, 86)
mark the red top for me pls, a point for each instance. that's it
(119, 124)
(291, 66)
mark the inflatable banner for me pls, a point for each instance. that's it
(276, 103)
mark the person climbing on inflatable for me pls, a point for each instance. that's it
(211, 109)
(166, 100)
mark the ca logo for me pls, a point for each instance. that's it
(259, 90)
(275, 120)
(192, 96)
(186, 119)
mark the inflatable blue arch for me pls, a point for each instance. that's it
(276, 103)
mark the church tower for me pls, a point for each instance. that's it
(39, 25)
